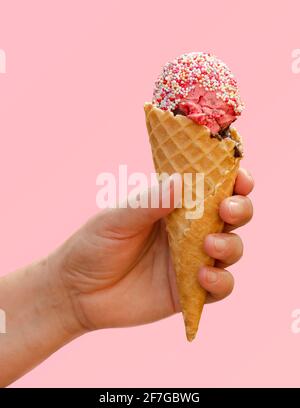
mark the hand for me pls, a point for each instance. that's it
(115, 271)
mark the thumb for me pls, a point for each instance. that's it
(143, 210)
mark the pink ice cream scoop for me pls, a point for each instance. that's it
(201, 87)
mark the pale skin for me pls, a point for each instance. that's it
(115, 271)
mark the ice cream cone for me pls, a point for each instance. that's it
(181, 146)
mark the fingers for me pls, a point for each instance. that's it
(244, 182)
(217, 282)
(235, 211)
(226, 248)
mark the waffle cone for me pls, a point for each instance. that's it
(181, 146)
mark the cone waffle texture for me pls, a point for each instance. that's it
(181, 146)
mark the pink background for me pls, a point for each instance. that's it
(67, 62)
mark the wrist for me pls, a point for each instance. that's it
(61, 300)
(39, 320)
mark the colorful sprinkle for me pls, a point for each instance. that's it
(181, 75)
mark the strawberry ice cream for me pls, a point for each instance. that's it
(201, 87)
(204, 108)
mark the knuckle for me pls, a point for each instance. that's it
(230, 283)
(235, 249)
(250, 209)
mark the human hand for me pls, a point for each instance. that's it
(116, 270)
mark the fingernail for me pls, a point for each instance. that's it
(247, 174)
(211, 276)
(219, 244)
(236, 207)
